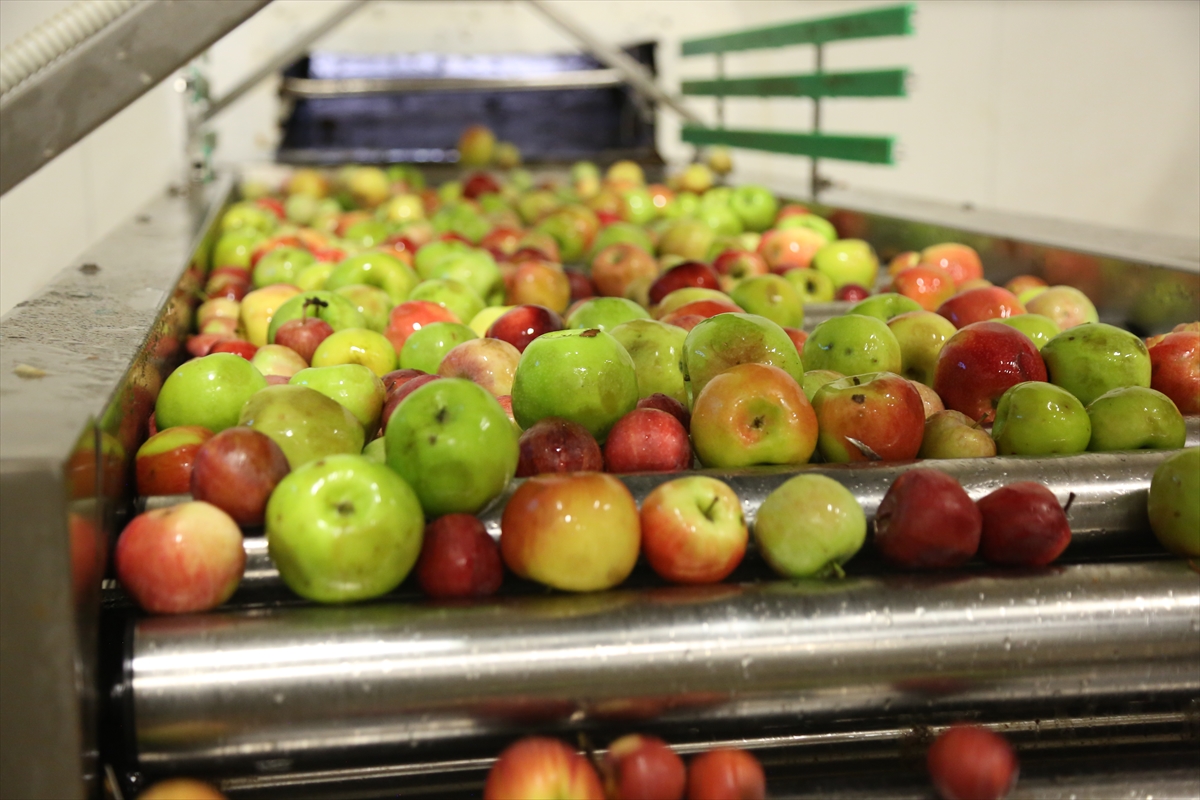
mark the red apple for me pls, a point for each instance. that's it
(236, 346)
(181, 559)
(459, 559)
(581, 285)
(929, 286)
(557, 445)
(399, 377)
(236, 471)
(479, 183)
(538, 767)
(685, 321)
(411, 316)
(927, 521)
(521, 325)
(979, 364)
(701, 308)
(906, 260)
(960, 260)
(968, 762)
(303, 335)
(647, 440)
(638, 767)
(669, 404)
(1023, 283)
(852, 293)
(733, 266)
(790, 247)
(682, 276)
(1023, 525)
(980, 305)
(1175, 369)
(164, 462)
(202, 344)
(726, 775)
(693, 530)
(616, 268)
(502, 240)
(880, 411)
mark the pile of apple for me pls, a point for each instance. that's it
(372, 354)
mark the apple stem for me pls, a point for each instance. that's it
(708, 511)
(838, 572)
(312, 301)
(1070, 500)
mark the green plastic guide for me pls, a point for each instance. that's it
(890, 21)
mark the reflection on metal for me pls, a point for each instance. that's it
(50, 111)
(580, 79)
(297, 686)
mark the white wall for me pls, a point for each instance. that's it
(1085, 109)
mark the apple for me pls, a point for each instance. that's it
(491, 363)
(688, 295)
(1135, 418)
(1174, 503)
(755, 206)
(1023, 283)
(372, 302)
(619, 266)
(276, 359)
(770, 296)
(578, 531)
(726, 774)
(281, 265)
(458, 298)
(693, 530)
(853, 344)
(581, 285)
(411, 316)
(305, 424)
(657, 351)
(536, 767)
(809, 526)
(484, 319)
(558, 445)
(810, 221)
(624, 232)
(1036, 418)
(303, 335)
(236, 248)
(474, 268)
(814, 379)
(458, 559)
(689, 315)
(735, 265)
(208, 392)
(670, 405)
(314, 278)
(180, 789)
(217, 307)
(236, 471)
(929, 287)
(979, 364)
(202, 344)
(453, 443)
(336, 310)
(355, 386)
(952, 434)
(980, 305)
(921, 336)
(396, 395)
(356, 346)
(870, 417)
(165, 461)
(1093, 358)
(729, 339)
(573, 231)
(401, 209)
(380, 270)
(647, 440)
(967, 762)
(476, 146)
(369, 186)
(259, 308)
(847, 261)
(638, 767)
(425, 348)
(539, 283)
(959, 260)
(722, 219)
(786, 249)
(181, 559)
(637, 206)
(750, 414)
(522, 324)
(810, 285)
(688, 238)
(926, 520)
(852, 293)
(1023, 525)
(583, 376)
(1039, 329)
(1066, 306)
(885, 306)
(343, 528)
(238, 347)
(479, 183)
(308, 181)
(1175, 369)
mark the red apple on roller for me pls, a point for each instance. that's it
(1023, 525)
(521, 325)
(459, 559)
(236, 471)
(927, 521)
(873, 417)
(164, 462)
(537, 767)
(647, 440)
(726, 775)
(238, 347)
(852, 293)
(968, 762)
(638, 767)
(960, 260)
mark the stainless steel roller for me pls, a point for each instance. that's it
(284, 689)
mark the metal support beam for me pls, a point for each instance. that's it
(633, 72)
(54, 109)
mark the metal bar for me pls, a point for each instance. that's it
(579, 79)
(868, 83)
(60, 105)
(294, 51)
(894, 21)
(632, 71)
(869, 149)
(286, 688)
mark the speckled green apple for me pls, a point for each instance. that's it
(726, 340)
(305, 424)
(810, 285)
(1135, 418)
(657, 352)
(1093, 358)
(1035, 418)
(208, 392)
(853, 344)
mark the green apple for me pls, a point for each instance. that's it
(474, 268)
(561, 226)
(536, 204)
(235, 249)
(688, 238)
(314, 277)
(354, 386)
(584, 376)
(885, 306)
(621, 232)
(338, 311)
(717, 197)
(282, 265)
(1039, 329)
(208, 392)
(1174, 503)
(852, 345)
(814, 379)
(459, 299)
(811, 286)
(375, 269)
(809, 527)
(248, 216)
(425, 348)
(368, 233)
(810, 221)
(1135, 418)
(637, 206)
(848, 261)
(770, 296)
(685, 204)
(1093, 358)
(1035, 418)
(723, 220)
(755, 205)
(401, 209)
(452, 441)
(371, 301)
(428, 256)
(657, 352)
(356, 346)
(376, 451)
(305, 424)
(343, 528)
(921, 336)
(723, 341)
(605, 313)
(952, 434)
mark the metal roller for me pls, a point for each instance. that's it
(287, 689)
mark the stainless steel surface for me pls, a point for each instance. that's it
(61, 104)
(279, 689)
(293, 51)
(633, 72)
(579, 79)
